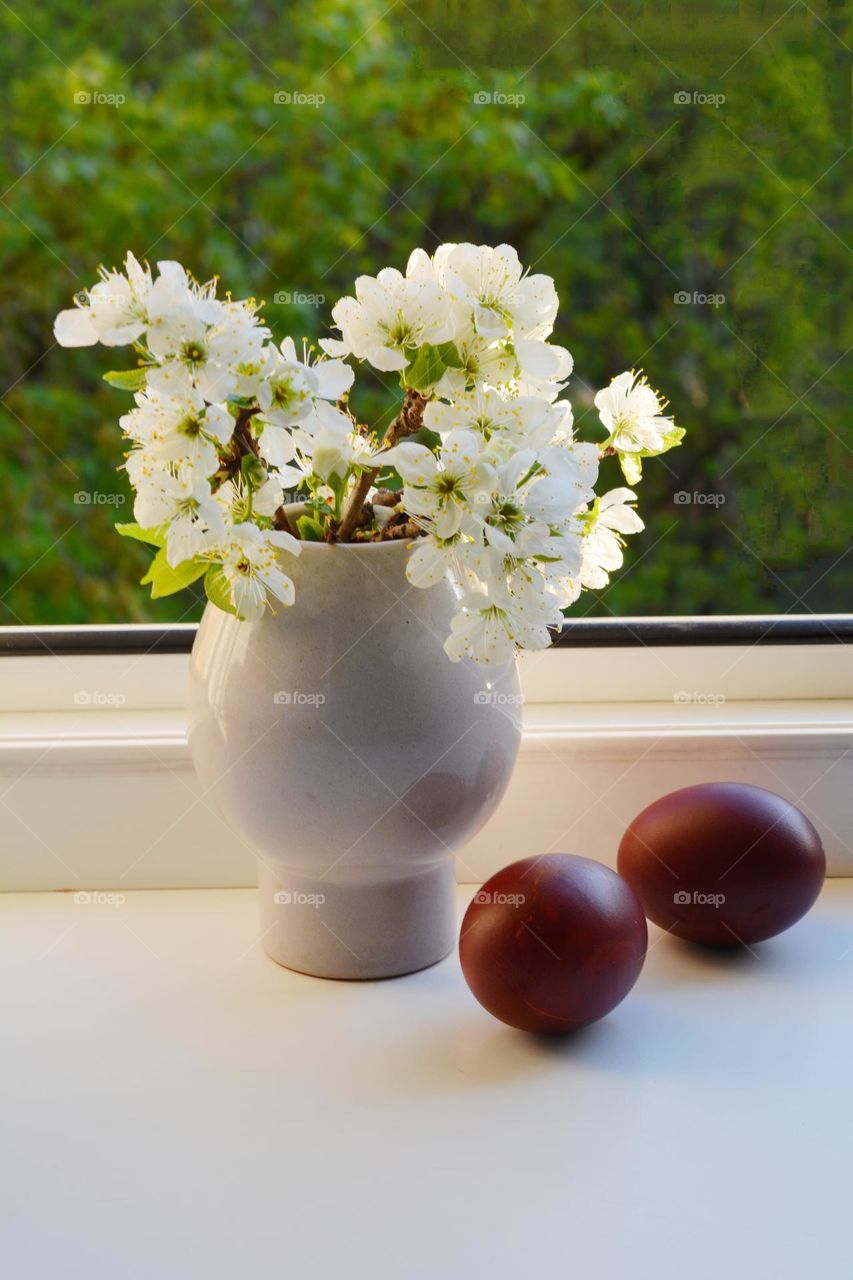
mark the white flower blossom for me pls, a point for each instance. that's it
(289, 388)
(491, 284)
(491, 624)
(113, 312)
(566, 482)
(183, 430)
(632, 413)
(432, 560)
(602, 544)
(481, 630)
(325, 445)
(183, 502)
(520, 420)
(203, 350)
(250, 565)
(239, 502)
(333, 449)
(391, 314)
(531, 511)
(441, 488)
(329, 449)
(542, 363)
(277, 447)
(480, 363)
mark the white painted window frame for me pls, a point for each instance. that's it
(97, 788)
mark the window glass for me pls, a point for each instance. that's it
(682, 172)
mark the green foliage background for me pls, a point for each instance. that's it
(601, 176)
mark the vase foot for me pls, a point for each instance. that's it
(357, 931)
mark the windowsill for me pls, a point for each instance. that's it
(235, 1118)
(104, 795)
(72, 780)
(132, 730)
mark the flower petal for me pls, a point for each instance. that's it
(73, 328)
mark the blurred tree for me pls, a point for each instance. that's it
(702, 239)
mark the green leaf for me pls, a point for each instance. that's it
(254, 471)
(632, 467)
(153, 537)
(217, 590)
(426, 368)
(673, 438)
(450, 355)
(631, 463)
(166, 579)
(338, 485)
(391, 479)
(127, 379)
(311, 530)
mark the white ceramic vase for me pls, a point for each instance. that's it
(347, 749)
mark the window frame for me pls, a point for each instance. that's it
(741, 629)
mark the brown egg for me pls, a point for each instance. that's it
(553, 943)
(723, 863)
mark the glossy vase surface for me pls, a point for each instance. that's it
(355, 758)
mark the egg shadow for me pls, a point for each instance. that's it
(809, 949)
(641, 1040)
(739, 958)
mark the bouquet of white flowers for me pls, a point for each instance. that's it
(240, 449)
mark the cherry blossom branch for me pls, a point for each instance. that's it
(245, 444)
(409, 420)
(505, 478)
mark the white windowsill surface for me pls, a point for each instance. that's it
(175, 1105)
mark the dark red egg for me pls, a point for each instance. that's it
(723, 863)
(552, 943)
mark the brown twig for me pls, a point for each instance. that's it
(409, 420)
(406, 528)
(243, 444)
(386, 498)
(281, 521)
